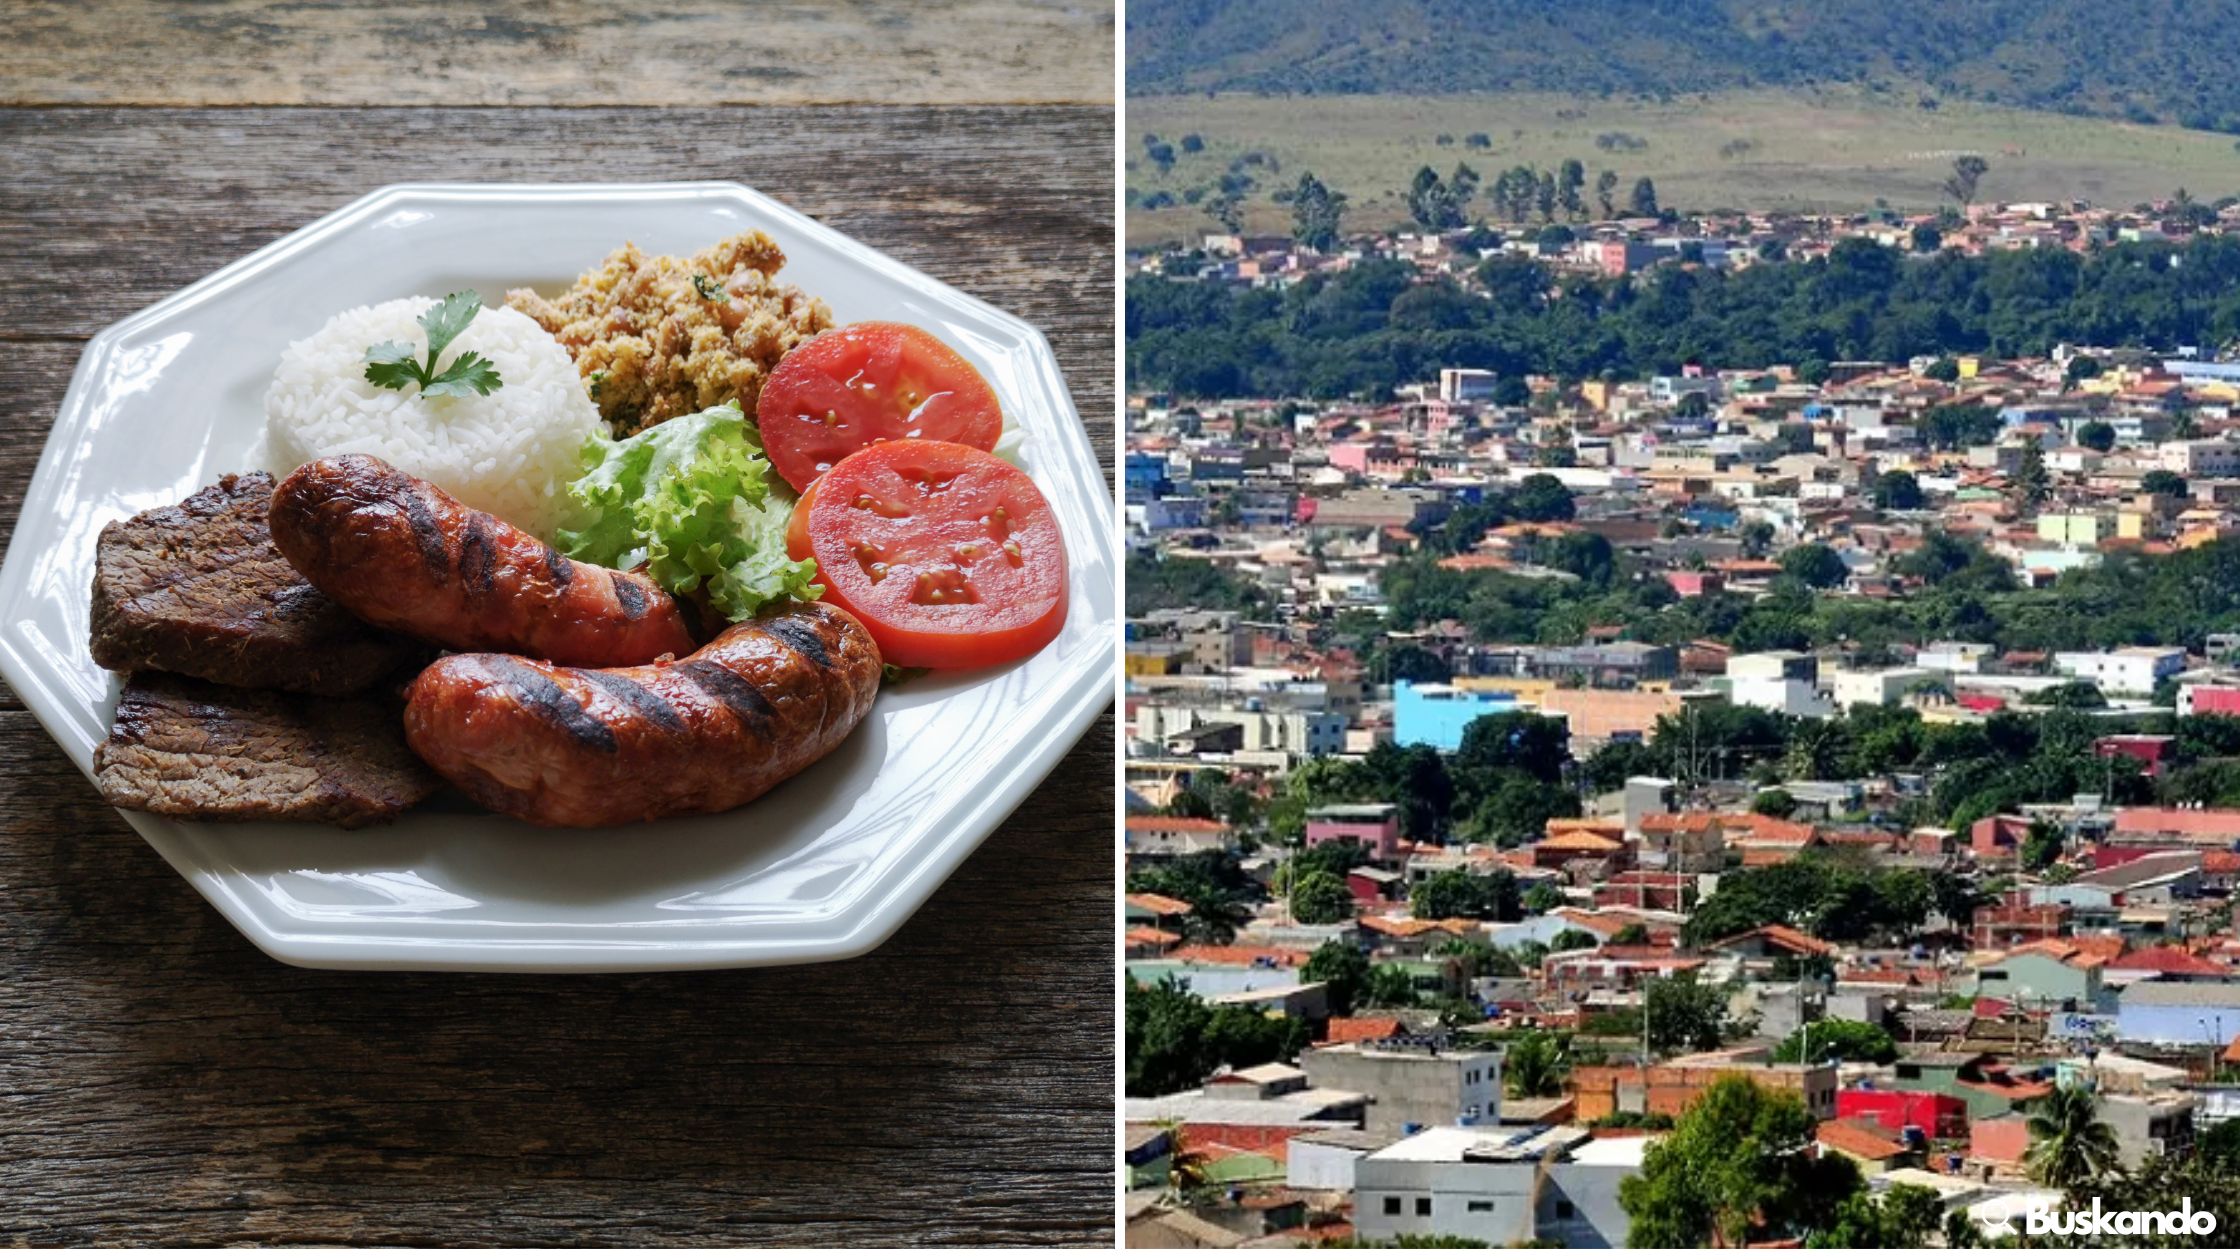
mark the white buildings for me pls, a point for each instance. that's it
(1848, 687)
(1292, 732)
(1785, 682)
(2127, 671)
(1953, 658)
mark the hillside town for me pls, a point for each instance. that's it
(1525, 772)
(1632, 243)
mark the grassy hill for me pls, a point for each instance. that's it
(2141, 60)
(1840, 148)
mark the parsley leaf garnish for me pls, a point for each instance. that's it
(391, 364)
(709, 290)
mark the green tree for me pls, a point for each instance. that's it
(2081, 367)
(1531, 743)
(1341, 970)
(1686, 1014)
(1631, 934)
(1944, 369)
(1967, 171)
(1737, 1168)
(1848, 1040)
(1316, 210)
(2163, 482)
(1463, 895)
(1174, 1040)
(1320, 897)
(1902, 1219)
(1605, 193)
(2041, 845)
(1543, 897)
(1536, 1066)
(2031, 480)
(2069, 1143)
(1643, 203)
(1572, 938)
(1774, 803)
(1898, 491)
(1540, 497)
(1390, 985)
(2098, 435)
(1815, 564)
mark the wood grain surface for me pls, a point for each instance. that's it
(162, 1081)
(558, 52)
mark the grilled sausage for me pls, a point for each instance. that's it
(400, 553)
(568, 747)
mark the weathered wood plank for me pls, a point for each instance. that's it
(559, 52)
(165, 1082)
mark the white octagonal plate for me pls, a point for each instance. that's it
(824, 867)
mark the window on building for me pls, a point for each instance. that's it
(1423, 1207)
(1392, 1205)
(1564, 1210)
(1481, 1205)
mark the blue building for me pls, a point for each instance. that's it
(2179, 1012)
(1437, 714)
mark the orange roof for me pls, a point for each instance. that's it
(1157, 904)
(1239, 955)
(1702, 820)
(1767, 829)
(1859, 1139)
(2165, 960)
(1787, 937)
(1152, 936)
(1615, 828)
(1585, 841)
(1343, 1029)
(1158, 822)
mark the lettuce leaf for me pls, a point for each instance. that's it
(694, 500)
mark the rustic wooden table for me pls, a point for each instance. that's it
(161, 1080)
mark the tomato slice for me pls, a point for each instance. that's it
(948, 555)
(835, 394)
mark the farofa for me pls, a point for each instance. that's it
(653, 345)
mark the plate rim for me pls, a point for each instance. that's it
(869, 920)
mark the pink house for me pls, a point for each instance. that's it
(1375, 826)
(1694, 582)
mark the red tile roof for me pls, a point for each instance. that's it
(1239, 955)
(1859, 1138)
(1157, 904)
(1786, 937)
(1343, 1029)
(2164, 960)
(1151, 936)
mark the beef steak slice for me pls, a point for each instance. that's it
(190, 749)
(199, 589)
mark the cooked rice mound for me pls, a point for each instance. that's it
(650, 345)
(510, 452)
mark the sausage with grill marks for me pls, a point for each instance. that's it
(566, 747)
(405, 556)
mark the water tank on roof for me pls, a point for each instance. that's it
(1952, 1163)
(1914, 1136)
(1410, 1129)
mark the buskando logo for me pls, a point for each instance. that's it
(2093, 1221)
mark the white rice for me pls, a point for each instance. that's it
(509, 452)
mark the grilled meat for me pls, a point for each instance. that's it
(603, 747)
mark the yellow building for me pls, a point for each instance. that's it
(2075, 529)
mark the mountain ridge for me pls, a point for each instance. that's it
(2143, 60)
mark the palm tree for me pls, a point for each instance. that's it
(1535, 1067)
(2069, 1143)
